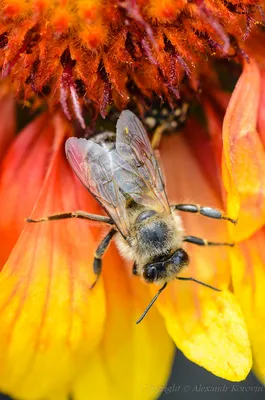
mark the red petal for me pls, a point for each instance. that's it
(22, 173)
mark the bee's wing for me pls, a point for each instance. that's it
(93, 165)
(139, 174)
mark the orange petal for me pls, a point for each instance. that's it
(50, 321)
(214, 105)
(187, 182)
(202, 148)
(261, 115)
(133, 361)
(207, 326)
(244, 155)
(248, 269)
(7, 119)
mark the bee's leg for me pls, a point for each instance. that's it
(205, 211)
(204, 242)
(97, 264)
(74, 214)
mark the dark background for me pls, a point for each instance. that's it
(190, 382)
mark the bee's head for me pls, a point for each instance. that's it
(164, 269)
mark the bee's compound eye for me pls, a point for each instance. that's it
(145, 215)
(180, 257)
(150, 274)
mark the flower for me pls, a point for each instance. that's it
(69, 66)
(101, 52)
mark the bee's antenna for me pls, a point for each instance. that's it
(151, 303)
(181, 278)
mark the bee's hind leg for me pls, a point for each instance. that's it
(73, 214)
(204, 211)
(203, 242)
(97, 264)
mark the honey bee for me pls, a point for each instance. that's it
(122, 173)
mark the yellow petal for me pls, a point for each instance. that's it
(244, 155)
(248, 270)
(207, 326)
(50, 322)
(133, 361)
(209, 329)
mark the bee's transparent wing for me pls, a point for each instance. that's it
(137, 171)
(94, 167)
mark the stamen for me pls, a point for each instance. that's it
(106, 95)
(133, 11)
(63, 100)
(206, 14)
(30, 40)
(67, 83)
(77, 108)
(148, 52)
